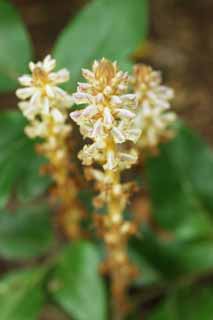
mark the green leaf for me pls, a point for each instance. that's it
(173, 259)
(19, 163)
(21, 295)
(77, 285)
(191, 304)
(180, 182)
(26, 233)
(181, 186)
(105, 28)
(15, 46)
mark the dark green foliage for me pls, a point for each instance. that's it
(105, 28)
(19, 163)
(26, 233)
(77, 285)
(193, 303)
(21, 295)
(15, 47)
(181, 184)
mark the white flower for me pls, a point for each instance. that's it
(36, 129)
(155, 124)
(148, 88)
(153, 115)
(109, 105)
(41, 88)
(44, 104)
(109, 114)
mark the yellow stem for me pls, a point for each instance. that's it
(116, 243)
(65, 190)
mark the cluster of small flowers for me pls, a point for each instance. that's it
(108, 186)
(153, 115)
(119, 125)
(109, 117)
(43, 103)
(116, 235)
(109, 121)
(46, 105)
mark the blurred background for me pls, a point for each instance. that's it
(180, 44)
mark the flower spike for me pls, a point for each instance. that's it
(154, 117)
(46, 105)
(108, 121)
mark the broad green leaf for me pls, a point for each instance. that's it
(76, 284)
(173, 259)
(25, 233)
(181, 185)
(193, 303)
(194, 160)
(19, 164)
(15, 52)
(104, 28)
(180, 182)
(21, 295)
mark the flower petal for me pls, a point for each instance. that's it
(90, 111)
(25, 93)
(49, 63)
(133, 134)
(129, 99)
(97, 128)
(116, 100)
(25, 80)
(49, 91)
(75, 115)
(81, 98)
(118, 135)
(60, 77)
(108, 119)
(125, 113)
(88, 75)
(57, 115)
